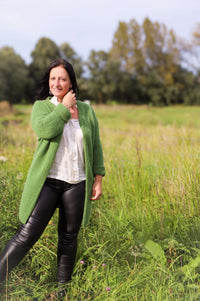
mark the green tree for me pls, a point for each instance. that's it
(150, 54)
(44, 53)
(120, 47)
(105, 74)
(108, 82)
(127, 47)
(187, 86)
(191, 52)
(13, 76)
(68, 53)
(161, 50)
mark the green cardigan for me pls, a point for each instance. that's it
(48, 121)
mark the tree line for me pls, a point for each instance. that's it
(147, 64)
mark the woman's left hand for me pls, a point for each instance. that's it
(97, 188)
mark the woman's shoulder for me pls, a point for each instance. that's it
(41, 106)
(42, 103)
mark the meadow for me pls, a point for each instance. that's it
(143, 239)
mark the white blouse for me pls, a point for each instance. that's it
(69, 165)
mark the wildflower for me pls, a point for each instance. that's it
(108, 288)
(82, 261)
(94, 266)
(103, 265)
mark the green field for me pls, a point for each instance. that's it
(143, 240)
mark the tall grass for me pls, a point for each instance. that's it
(143, 239)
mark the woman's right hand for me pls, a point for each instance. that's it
(69, 100)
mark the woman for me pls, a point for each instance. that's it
(66, 171)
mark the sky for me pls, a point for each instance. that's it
(86, 24)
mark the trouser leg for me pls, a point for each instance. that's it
(70, 218)
(28, 233)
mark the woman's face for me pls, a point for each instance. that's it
(59, 82)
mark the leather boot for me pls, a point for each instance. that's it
(66, 256)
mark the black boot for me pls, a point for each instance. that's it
(67, 246)
(62, 290)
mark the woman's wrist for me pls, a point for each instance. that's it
(98, 178)
(66, 106)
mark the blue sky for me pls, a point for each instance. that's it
(86, 24)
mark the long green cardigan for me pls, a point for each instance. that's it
(48, 121)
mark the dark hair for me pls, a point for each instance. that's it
(42, 90)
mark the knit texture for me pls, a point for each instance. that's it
(47, 122)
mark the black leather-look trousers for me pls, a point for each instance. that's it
(70, 200)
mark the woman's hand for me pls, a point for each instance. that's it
(69, 100)
(97, 188)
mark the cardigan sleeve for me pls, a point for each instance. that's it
(48, 121)
(98, 161)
